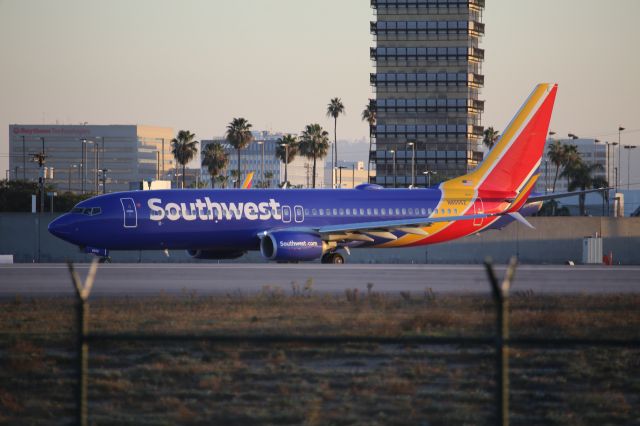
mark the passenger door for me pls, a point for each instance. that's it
(130, 212)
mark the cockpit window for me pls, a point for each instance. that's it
(88, 211)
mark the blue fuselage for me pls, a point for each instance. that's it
(228, 219)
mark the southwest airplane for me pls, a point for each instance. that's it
(301, 225)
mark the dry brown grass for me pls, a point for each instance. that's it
(202, 382)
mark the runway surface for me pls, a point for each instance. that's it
(152, 279)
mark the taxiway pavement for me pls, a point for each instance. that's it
(172, 278)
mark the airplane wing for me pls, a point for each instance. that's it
(362, 231)
(534, 198)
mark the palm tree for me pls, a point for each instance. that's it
(314, 144)
(288, 153)
(184, 148)
(491, 136)
(369, 115)
(334, 109)
(215, 159)
(239, 136)
(557, 155)
(580, 177)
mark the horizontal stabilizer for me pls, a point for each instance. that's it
(517, 216)
(553, 196)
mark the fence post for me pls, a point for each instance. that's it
(501, 297)
(82, 326)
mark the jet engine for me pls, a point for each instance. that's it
(214, 254)
(292, 246)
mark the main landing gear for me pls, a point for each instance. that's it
(332, 257)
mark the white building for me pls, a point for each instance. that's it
(79, 153)
(589, 150)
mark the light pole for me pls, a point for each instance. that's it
(394, 166)
(620, 129)
(104, 180)
(261, 143)
(629, 148)
(413, 163)
(82, 165)
(24, 160)
(95, 146)
(340, 181)
(100, 160)
(286, 161)
(613, 163)
(72, 166)
(428, 173)
(84, 161)
(608, 172)
(595, 150)
(546, 176)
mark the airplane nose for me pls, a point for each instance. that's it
(59, 227)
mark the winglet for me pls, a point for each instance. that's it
(248, 181)
(517, 216)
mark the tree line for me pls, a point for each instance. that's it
(313, 144)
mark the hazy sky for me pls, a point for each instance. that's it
(197, 64)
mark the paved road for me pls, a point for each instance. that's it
(150, 279)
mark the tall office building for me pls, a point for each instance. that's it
(78, 155)
(427, 83)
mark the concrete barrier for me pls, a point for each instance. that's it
(554, 240)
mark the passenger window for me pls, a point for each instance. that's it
(383, 211)
(397, 212)
(404, 212)
(411, 211)
(375, 211)
(341, 212)
(321, 211)
(430, 211)
(361, 212)
(448, 211)
(306, 212)
(314, 212)
(423, 212)
(368, 212)
(455, 211)
(335, 212)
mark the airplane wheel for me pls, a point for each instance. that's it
(337, 259)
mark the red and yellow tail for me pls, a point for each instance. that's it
(510, 169)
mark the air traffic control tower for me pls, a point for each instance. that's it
(427, 84)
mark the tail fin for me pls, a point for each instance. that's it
(248, 181)
(510, 169)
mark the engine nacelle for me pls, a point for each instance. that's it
(215, 254)
(292, 246)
